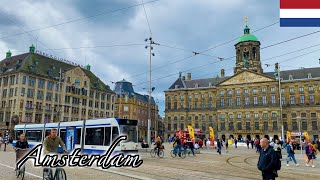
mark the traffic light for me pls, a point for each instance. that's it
(276, 71)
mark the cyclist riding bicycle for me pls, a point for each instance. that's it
(51, 145)
(22, 144)
(52, 142)
(158, 145)
(177, 148)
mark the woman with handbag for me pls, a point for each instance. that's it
(310, 154)
(290, 152)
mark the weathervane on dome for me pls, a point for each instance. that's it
(246, 20)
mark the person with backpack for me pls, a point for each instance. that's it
(267, 163)
(290, 153)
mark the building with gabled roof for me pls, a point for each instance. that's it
(40, 88)
(132, 105)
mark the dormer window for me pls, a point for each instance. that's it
(210, 84)
(196, 85)
(176, 86)
(290, 77)
(309, 76)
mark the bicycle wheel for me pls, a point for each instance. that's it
(22, 171)
(152, 153)
(173, 154)
(183, 155)
(161, 153)
(60, 174)
(47, 174)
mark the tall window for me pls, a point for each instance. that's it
(247, 100)
(203, 104)
(304, 126)
(238, 101)
(239, 116)
(231, 126)
(275, 125)
(239, 126)
(273, 99)
(256, 115)
(247, 116)
(314, 125)
(229, 101)
(311, 99)
(210, 104)
(272, 89)
(255, 100)
(222, 102)
(195, 104)
(264, 99)
(264, 90)
(223, 126)
(24, 79)
(256, 125)
(248, 126)
(283, 100)
(301, 99)
(294, 126)
(265, 125)
(311, 88)
(292, 100)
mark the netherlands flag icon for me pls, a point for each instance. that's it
(300, 13)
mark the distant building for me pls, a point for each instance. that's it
(30, 91)
(132, 105)
(246, 104)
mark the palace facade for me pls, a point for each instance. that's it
(246, 104)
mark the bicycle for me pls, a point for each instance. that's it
(173, 154)
(20, 172)
(59, 174)
(154, 152)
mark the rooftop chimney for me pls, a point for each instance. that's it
(189, 76)
(222, 73)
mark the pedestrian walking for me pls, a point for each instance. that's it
(310, 154)
(247, 143)
(227, 145)
(235, 142)
(267, 161)
(277, 149)
(252, 142)
(290, 154)
(219, 145)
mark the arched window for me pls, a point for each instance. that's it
(254, 53)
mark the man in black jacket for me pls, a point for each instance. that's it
(267, 160)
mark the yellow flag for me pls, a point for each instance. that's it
(306, 135)
(211, 133)
(288, 136)
(191, 132)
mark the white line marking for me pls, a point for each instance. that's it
(122, 174)
(25, 172)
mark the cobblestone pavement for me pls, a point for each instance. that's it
(238, 163)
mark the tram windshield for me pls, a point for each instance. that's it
(131, 133)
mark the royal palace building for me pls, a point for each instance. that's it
(132, 105)
(247, 104)
(38, 88)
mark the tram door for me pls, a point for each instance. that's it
(71, 138)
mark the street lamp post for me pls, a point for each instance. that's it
(299, 121)
(151, 42)
(277, 74)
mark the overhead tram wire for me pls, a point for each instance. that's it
(94, 47)
(80, 19)
(196, 53)
(145, 13)
(232, 57)
(26, 32)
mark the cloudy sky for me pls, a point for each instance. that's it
(111, 36)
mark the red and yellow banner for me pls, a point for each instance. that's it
(211, 133)
(306, 136)
(191, 132)
(288, 136)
